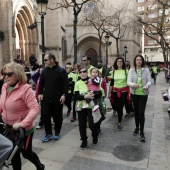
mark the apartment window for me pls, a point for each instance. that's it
(167, 39)
(141, 8)
(152, 7)
(151, 42)
(153, 50)
(147, 51)
(141, 1)
(152, 15)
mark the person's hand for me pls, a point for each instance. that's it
(146, 87)
(62, 99)
(90, 95)
(16, 126)
(40, 97)
(136, 86)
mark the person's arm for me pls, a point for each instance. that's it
(96, 81)
(104, 86)
(148, 78)
(30, 100)
(65, 82)
(6, 147)
(129, 79)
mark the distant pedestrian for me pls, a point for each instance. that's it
(139, 80)
(77, 77)
(53, 88)
(154, 72)
(71, 79)
(102, 70)
(81, 93)
(87, 63)
(128, 103)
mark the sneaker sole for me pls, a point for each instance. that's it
(47, 140)
(134, 134)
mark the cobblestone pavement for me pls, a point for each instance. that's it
(118, 150)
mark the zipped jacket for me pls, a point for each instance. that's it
(19, 105)
(133, 78)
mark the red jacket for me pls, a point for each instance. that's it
(19, 106)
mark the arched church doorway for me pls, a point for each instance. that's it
(26, 39)
(93, 55)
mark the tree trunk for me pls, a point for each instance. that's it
(100, 48)
(75, 36)
(117, 46)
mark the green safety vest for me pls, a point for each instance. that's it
(88, 70)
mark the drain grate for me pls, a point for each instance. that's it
(129, 153)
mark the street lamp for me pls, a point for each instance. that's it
(126, 51)
(107, 44)
(42, 8)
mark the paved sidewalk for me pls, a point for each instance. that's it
(118, 150)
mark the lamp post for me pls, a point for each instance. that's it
(42, 8)
(107, 42)
(126, 51)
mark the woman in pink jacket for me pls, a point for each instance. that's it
(19, 107)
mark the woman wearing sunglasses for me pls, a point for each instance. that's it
(19, 107)
(139, 80)
(81, 93)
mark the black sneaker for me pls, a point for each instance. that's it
(136, 132)
(83, 145)
(42, 167)
(127, 114)
(119, 127)
(142, 137)
(95, 141)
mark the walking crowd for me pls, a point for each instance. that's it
(82, 88)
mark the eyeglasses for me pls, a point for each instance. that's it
(8, 74)
(46, 60)
(84, 71)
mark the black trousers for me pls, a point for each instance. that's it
(68, 101)
(83, 116)
(28, 154)
(55, 110)
(139, 102)
(119, 103)
(74, 108)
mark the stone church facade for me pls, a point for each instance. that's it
(17, 39)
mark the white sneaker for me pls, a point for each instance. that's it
(95, 108)
(38, 127)
(86, 105)
(168, 109)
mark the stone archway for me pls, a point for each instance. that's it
(27, 40)
(93, 55)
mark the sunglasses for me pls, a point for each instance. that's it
(84, 60)
(46, 60)
(84, 71)
(8, 74)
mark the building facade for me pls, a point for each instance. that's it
(16, 39)
(152, 11)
